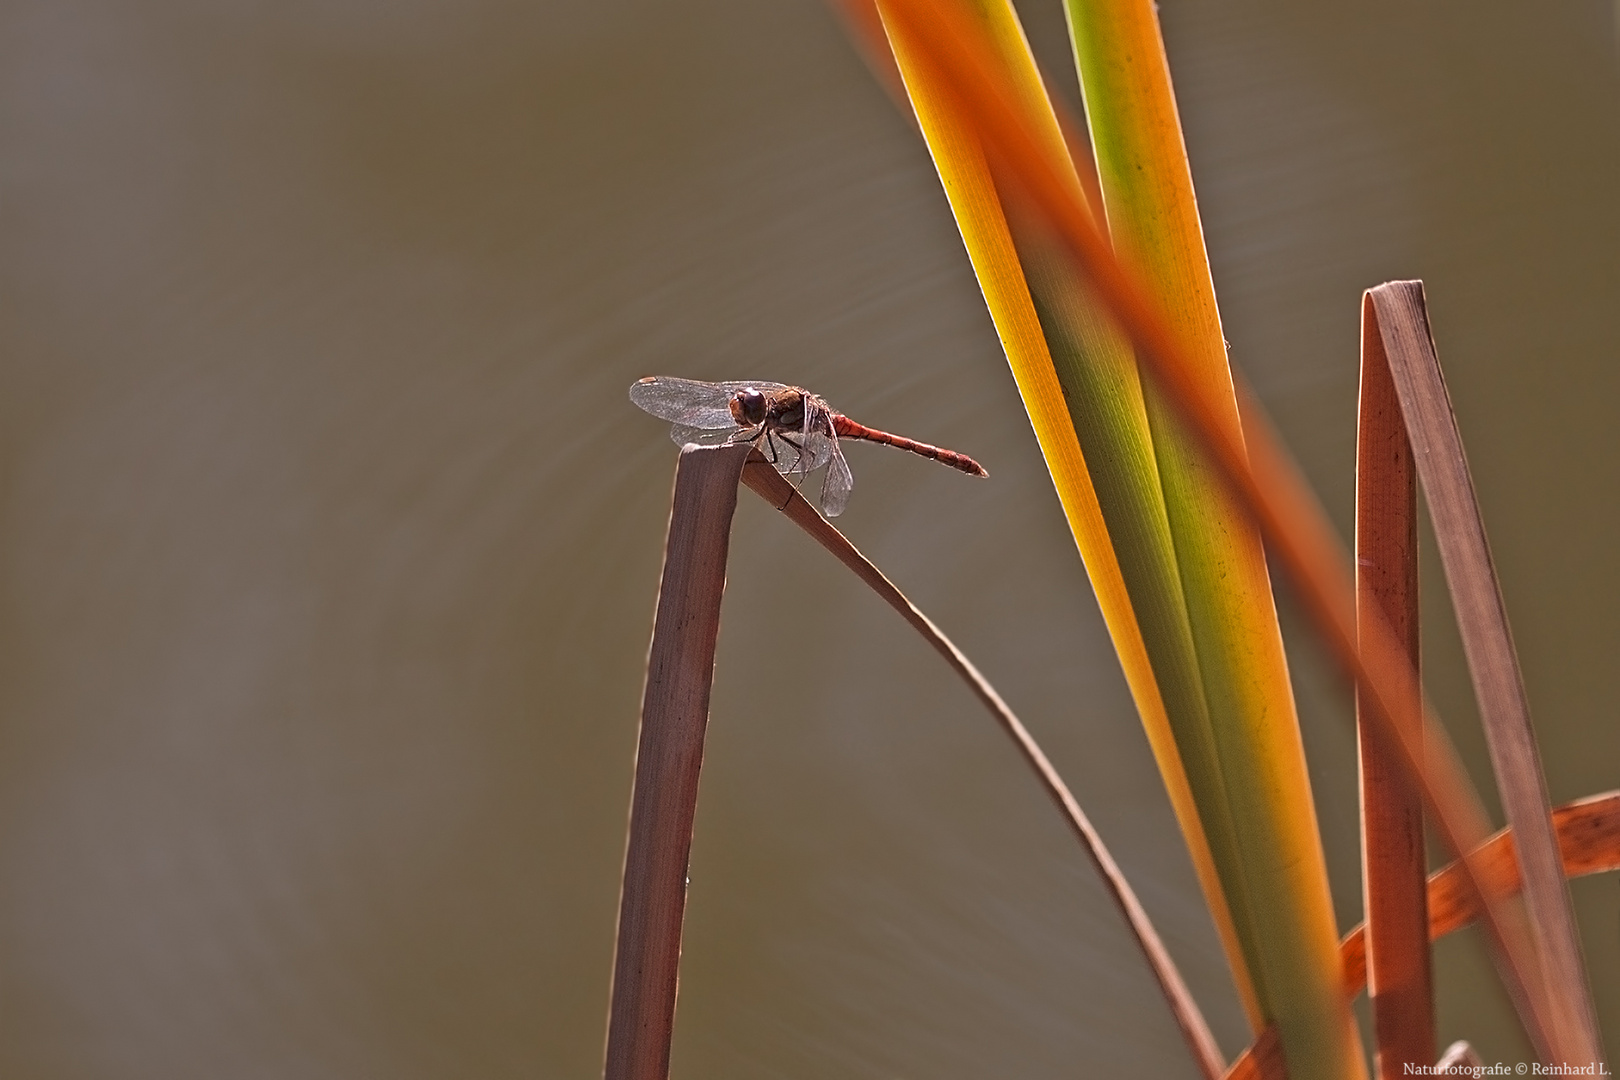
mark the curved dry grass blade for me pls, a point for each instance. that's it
(1394, 889)
(1402, 323)
(674, 715)
(1588, 841)
(1253, 461)
(774, 489)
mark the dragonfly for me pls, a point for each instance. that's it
(797, 431)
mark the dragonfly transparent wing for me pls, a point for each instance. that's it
(705, 436)
(692, 403)
(801, 452)
(683, 401)
(795, 453)
(836, 484)
(814, 444)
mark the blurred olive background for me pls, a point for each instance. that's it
(330, 541)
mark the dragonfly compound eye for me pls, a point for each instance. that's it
(748, 407)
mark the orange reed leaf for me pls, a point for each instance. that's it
(1252, 461)
(1588, 843)
(1262, 1060)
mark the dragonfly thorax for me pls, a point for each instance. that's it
(778, 410)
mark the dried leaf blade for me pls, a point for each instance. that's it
(1493, 663)
(669, 755)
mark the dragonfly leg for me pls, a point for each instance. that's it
(750, 435)
(799, 461)
(770, 448)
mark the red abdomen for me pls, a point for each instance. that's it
(849, 429)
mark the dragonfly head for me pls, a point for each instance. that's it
(748, 407)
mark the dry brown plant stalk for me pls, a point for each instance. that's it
(1393, 874)
(669, 754)
(1400, 314)
(769, 485)
(675, 707)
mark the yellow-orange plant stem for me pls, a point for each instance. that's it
(1253, 462)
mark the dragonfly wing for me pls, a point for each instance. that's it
(734, 386)
(684, 401)
(779, 452)
(703, 436)
(836, 484)
(687, 401)
(819, 449)
(796, 453)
